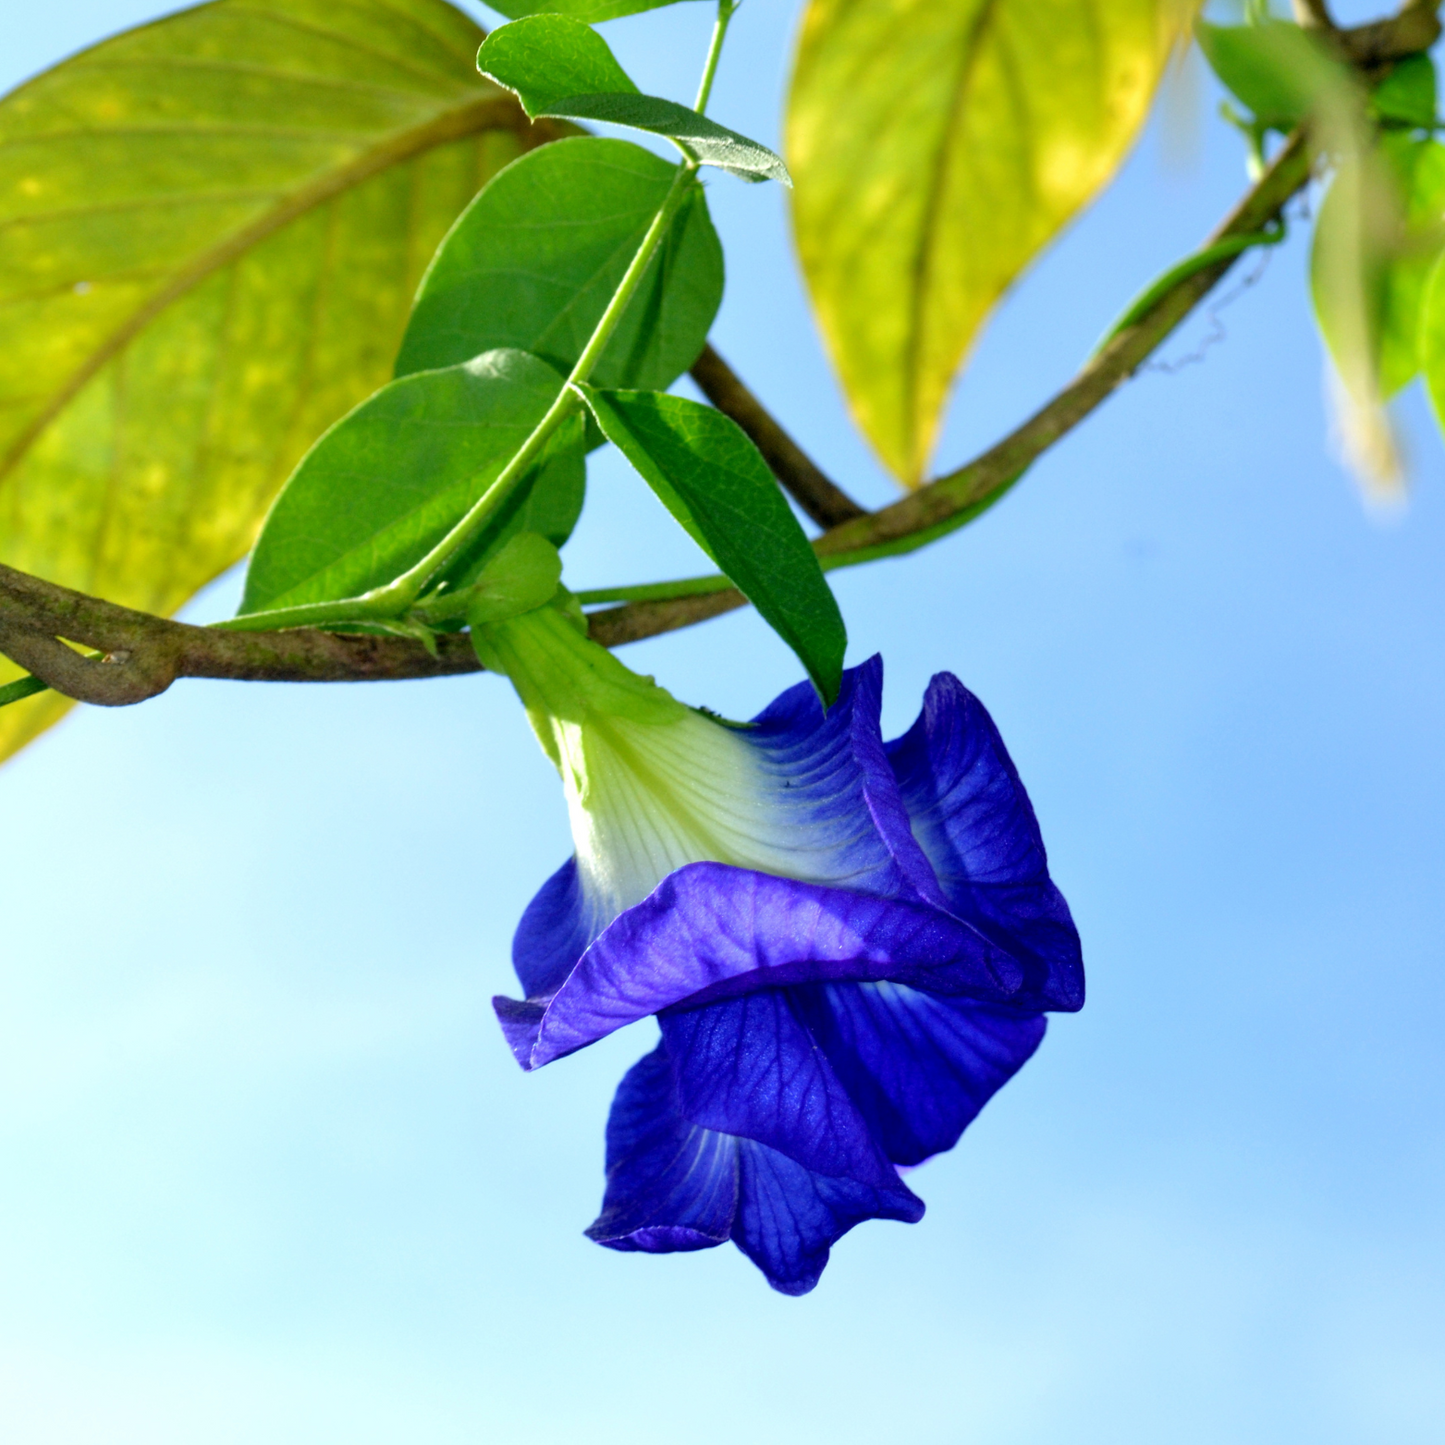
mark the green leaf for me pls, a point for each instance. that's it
(1396, 257)
(712, 144)
(1429, 195)
(1361, 286)
(547, 503)
(536, 258)
(549, 57)
(1274, 68)
(559, 67)
(20, 689)
(212, 229)
(1397, 290)
(1407, 93)
(592, 11)
(390, 479)
(714, 481)
(936, 149)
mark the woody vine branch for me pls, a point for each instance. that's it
(135, 655)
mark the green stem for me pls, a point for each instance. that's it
(725, 9)
(1153, 294)
(657, 591)
(632, 278)
(854, 557)
(1138, 309)
(21, 688)
(394, 599)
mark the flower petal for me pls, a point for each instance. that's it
(672, 1185)
(554, 931)
(797, 794)
(789, 1218)
(973, 819)
(837, 769)
(749, 1067)
(709, 932)
(916, 1066)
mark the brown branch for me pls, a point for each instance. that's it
(822, 499)
(1414, 28)
(156, 652)
(144, 654)
(997, 468)
(1410, 31)
(1314, 15)
(1373, 48)
(612, 626)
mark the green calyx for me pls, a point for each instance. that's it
(522, 576)
(566, 680)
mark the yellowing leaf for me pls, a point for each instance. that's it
(936, 146)
(211, 229)
(1396, 236)
(1366, 281)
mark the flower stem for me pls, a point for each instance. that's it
(725, 9)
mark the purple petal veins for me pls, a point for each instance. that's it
(674, 1185)
(823, 1029)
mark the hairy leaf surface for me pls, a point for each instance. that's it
(390, 479)
(535, 259)
(714, 481)
(936, 148)
(211, 229)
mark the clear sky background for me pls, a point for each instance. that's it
(268, 1173)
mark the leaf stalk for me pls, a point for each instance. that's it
(725, 10)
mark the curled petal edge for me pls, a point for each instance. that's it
(710, 932)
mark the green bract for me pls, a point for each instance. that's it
(535, 259)
(714, 482)
(388, 481)
(521, 576)
(560, 67)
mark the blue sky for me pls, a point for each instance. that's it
(270, 1173)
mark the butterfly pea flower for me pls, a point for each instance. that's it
(849, 945)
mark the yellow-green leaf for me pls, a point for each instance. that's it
(1383, 295)
(935, 148)
(211, 229)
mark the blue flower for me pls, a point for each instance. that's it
(849, 945)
